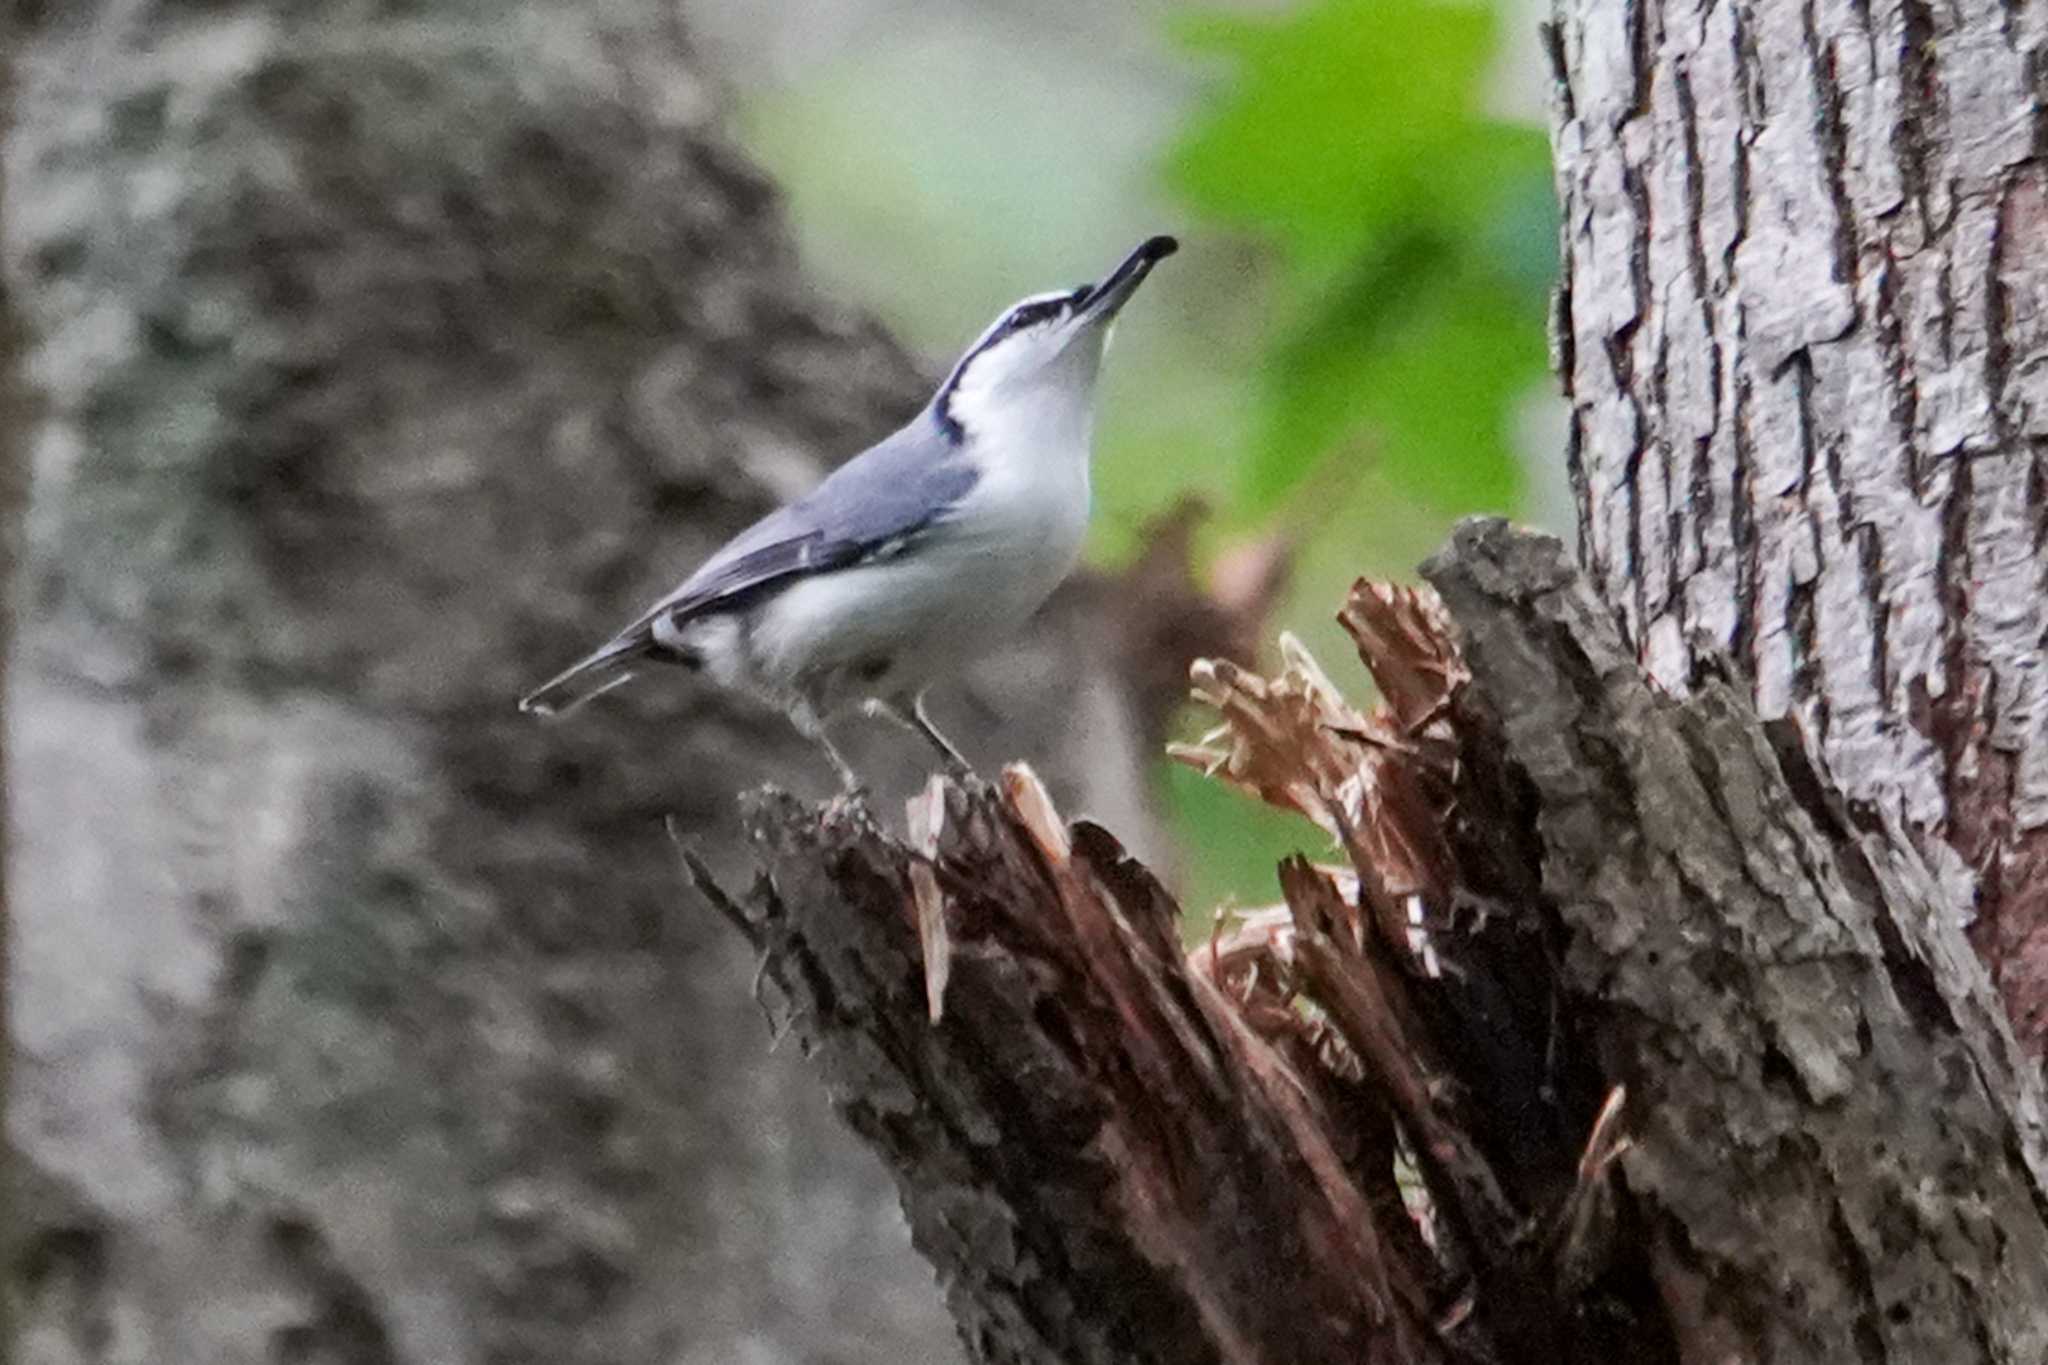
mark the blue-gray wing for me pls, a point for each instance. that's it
(867, 506)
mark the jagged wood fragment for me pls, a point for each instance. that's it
(926, 814)
(1424, 1010)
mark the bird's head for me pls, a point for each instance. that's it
(1040, 358)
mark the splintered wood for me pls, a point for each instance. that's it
(1380, 782)
(1272, 1147)
(925, 816)
(1348, 966)
(1108, 1161)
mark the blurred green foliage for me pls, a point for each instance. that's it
(1416, 237)
(1415, 243)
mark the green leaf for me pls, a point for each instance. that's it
(1334, 118)
(1422, 380)
(1416, 239)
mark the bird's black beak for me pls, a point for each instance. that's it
(1116, 288)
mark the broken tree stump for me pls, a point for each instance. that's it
(1611, 1033)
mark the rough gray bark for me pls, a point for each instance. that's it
(1834, 1146)
(1804, 332)
(1838, 1146)
(386, 360)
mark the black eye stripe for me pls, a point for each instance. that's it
(1033, 313)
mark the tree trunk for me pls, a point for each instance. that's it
(385, 364)
(1804, 332)
(15, 419)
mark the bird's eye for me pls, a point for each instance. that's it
(1031, 314)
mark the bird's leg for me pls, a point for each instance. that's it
(909, 713)
(812, 727)
(953, 757)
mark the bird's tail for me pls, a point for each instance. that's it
(577, 684)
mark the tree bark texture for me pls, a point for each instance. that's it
(1804, 333)
(1690, 1062)
(15, 420)
(1838, 1145)
(387, 357)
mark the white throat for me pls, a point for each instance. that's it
(1036, 409)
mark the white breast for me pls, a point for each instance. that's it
(1029, 514)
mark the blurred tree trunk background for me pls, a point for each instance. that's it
(386, 357)
(14, 424)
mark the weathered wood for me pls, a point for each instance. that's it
(1804, 333)
(1105, 1163)
(1837, 1144)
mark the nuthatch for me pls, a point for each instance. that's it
(912, 558)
